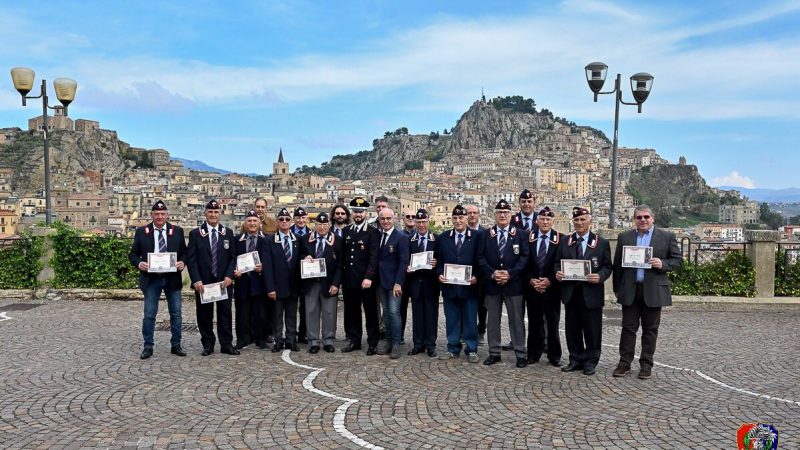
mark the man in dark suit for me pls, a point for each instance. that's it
(474, 224)
(392, 263)
(459, 246)
(300, 229)
(503, 260)
(544, 303)
(643, 292)
(359, 270)
(282, 280)
(423, 290)
(584, 300)
(210, 258)
(253, 322)
(322, 293)
(159, 236)
(526, 217)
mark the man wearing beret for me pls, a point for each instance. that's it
(526, 217)
(503, 262)
(322, 293)
(584, 300)
(159, 236)
(359, 271)
(282, 280)
(210, 258)
(423, 289)
(392, 263)
(253, 323)
(459, 246)
(544, 303)
(300, 229)
(643, 292)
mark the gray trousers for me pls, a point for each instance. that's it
(516, 323)
(320, 307)
(285, 310)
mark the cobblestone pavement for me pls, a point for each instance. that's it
(71, 378)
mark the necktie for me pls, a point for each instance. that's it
(287, 249)
(339, 232)
(162, 243)
(214, 241)
(459, 241)
(251, 243)
(579, 248)
(501, 244)
(383, 239)
(320, 247)
(527, 224)
(422, 243)
(542, 252)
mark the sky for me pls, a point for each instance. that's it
(229, 83)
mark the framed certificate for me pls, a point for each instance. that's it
(421, 260)
(576, 269)
(637, 257)
(247, 262)
(213, 292)
(162, 262)
(457, 274)
(314, 268)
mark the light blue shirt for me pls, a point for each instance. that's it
(504, 233)
(546, 242)
(643, 240)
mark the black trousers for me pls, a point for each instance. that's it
(425, 311)
(584, 330)
(649, 318)
(482, 310)
(355, 299)
(205, 322)
(251, 325)
(544, 314)
(285, 319)
(302, 330)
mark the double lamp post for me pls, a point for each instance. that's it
(65, 91)
(641, 83)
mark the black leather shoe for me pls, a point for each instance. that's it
(572, 367)
(262, 346)
(177, 350)
(270, 339)
(207, 351)
(228, 350)
(532, 360)
(277, 348)
(507, 347)
(241, 345)
(372, 350)
(329, 348)
(350, 347)
(522, 363)
(432, 353)
(146, 353)
(554, 362)
(302, 340)
(314, 349)
(588, 370)
(415, 351)
(492, 360)
(295, 347)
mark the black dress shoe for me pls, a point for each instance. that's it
(314, 349)
(329, 348)
(295, 347)
(554, 362)
(492, 360)
(146, 353)
(432, 353)
(532, 360)
(522, 363)
(228, 350)
(241, 345)
(302, 340)
(572, 367)
(263, 346)
(588, 370)
(507, 347)
(350, 347)
(372, 350)
(415, 351)
(207, 351)
(177, 350)
(270, 339)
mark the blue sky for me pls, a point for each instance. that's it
(231, 82)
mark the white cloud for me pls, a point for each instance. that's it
(734, 179)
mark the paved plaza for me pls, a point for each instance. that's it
(72, 378)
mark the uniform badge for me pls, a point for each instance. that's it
(225, 244)
(391, 249)
(363, 247)
(515, 247)
(595, 263)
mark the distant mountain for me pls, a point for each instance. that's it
(194, 164)
(787, 195)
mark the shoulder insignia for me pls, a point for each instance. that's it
(512, 231)
(592, 241)
(331, 238)
(171, 229)
(431, 237)
(243, 237)
(468, 233)
(147, 229)
(222, 232)
(492, 232)
(555, 237)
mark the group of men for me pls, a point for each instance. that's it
(515, 263)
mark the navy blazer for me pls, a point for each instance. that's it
(516, 221)
(281, 276)
(332, 255)
(515, 261)
(422, 283)
(252, 283)
(598, 251)
(198, 255)
(393, 259)
(446, 253)
(144, 242)
(548, 271)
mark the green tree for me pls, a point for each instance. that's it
(771, 219)
(794, 220)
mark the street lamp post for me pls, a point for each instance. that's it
(65, 91)
(641, 83)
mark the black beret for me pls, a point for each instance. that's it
(158, 206)
(459, 211)
(579, 211)
(526, 194)
(323, 218)
(284, 213)
(359, 202)
(300, 211)
(252, 213)
(212, 204)
(421, 214)
(547, 212)
(502, 205)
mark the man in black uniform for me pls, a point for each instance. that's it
(423, 286)
(282, 279)
(253, 322)
(210, 258)
(359, 269)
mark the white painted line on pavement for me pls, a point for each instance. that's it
(341, 412)
(4, 316)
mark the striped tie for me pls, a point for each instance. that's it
(287, 249)
(162, 243)
(541, 253)
(320, 247)
(501, 244)
(459, 241)
(214, 260)
(579, 248)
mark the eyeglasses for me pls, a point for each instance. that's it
(642, 217)
(385, 218)
(409, 216)
(284, 219)
(339, 214)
